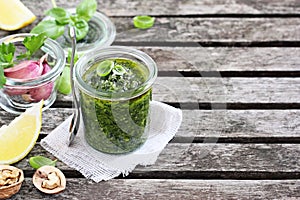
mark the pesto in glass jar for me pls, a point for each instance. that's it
(116, 126)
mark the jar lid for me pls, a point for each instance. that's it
(102, 33)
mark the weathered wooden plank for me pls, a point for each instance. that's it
(224, 124)
(173, 7)
(169, 189)
(227, 90)
(178, 158)
(210, 30)
(240, 123)
(223, 90)
(220, 90)
(224, 59)
(184, 30)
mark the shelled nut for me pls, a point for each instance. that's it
(11, 179)
(49, 179)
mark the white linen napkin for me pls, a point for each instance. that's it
(164, 123)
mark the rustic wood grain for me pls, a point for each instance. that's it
(169, 189)
(182, 166)
(227, 90)
(220, 124)
(174, 7)
(211, 30)
(204, 30)
(196, 158)
(224, 59)
(222, 90)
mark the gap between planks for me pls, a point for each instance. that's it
(231, 161)
(192, 175)
(120, 189)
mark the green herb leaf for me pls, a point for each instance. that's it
(50, 27)
(143, 22)
(74, 18)
(60, 15)
(39, 161)
(105, 67)
(7, 52)
(86, 9)
(2, 77)
(76, 56)
(55, 28)
(24, 55)
(81, 29)
(32, 44)
(64, 83)
(119, 70)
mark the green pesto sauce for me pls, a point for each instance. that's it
(112, 83)
(116, 126)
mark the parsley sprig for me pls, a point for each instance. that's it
(32, 44)
(7, 53)
(55, 27)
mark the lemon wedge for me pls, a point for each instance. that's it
(18, 138)
(14, 15)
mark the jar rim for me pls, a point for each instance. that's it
(105, 25)
(109, 30)
(112, 52)
(57, 53)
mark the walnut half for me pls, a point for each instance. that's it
(49, 179)
(11, 179)
(53, 181)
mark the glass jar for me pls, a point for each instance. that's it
(102, 33)
(115, 122)
(19, 94)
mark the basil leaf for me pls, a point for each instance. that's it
(74, 18)
(105, 67)
(2, 77)
(119, 70)
(50, 28)
(64, 83)
(81, 29)
(60, 15)
(76, 56)
(86, 9)
(39, 161)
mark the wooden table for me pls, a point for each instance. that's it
(233, 68)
